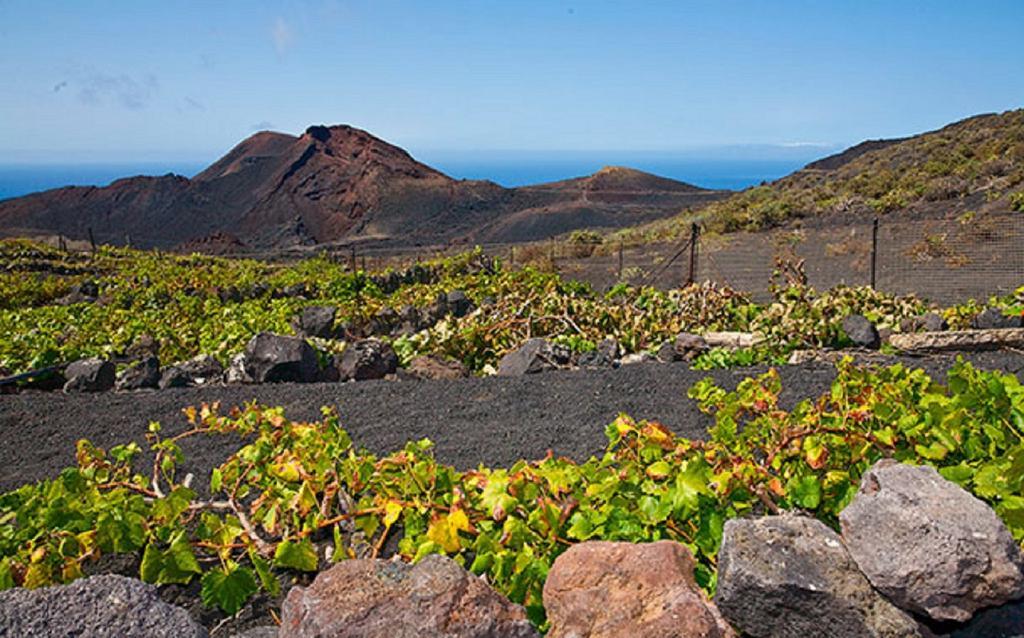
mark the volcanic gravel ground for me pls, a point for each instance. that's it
(494, 421)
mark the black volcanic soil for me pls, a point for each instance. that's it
(494, 420)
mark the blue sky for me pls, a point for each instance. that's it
(131, 81)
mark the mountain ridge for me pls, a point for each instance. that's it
(339, 184)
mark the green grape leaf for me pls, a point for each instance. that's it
(228, 588)
(298, 555)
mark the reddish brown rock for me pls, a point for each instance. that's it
(602, 589)
(387, 599)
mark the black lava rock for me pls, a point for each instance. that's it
(143, 374)
(90, 375)
(861, 332)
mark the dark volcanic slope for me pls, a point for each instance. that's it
(613, 197)
(493, 420)
(337, 183)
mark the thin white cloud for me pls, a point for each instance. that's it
(131, 93)
(282, 36)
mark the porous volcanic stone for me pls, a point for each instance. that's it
(367, 359)
(861, 332)
(203, 369)
(199, 370)
(667, 353)
(89, 375)
(387, 599)
(315, 321)
(458, 303)
(929, 545)
(604, 589)
(536, 355)
(98, 607)
(993, 318)
(605, 355)
(790, 576)
(143, 374)
(174, 377)
(271, 358)
(928, 322)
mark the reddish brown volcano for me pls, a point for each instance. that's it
(338, 184)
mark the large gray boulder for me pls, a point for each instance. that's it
(142, 374)
(435, 598)
(929, 545)
(105, 606)
(604, 589)
(536, 355)
(367, 359)
(928, 322)
(994, 319)
(201, 369)
(861, 332)
(315, 321)
(790, 576)
(458, 303)
(271, 358)
(90, 375)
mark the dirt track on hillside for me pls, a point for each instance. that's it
(494, 420)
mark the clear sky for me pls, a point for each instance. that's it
(134, 80)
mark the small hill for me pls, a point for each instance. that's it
(975, 164)
(613, 179)
(613, 197)
(337, 184)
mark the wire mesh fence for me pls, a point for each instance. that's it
(944, 260)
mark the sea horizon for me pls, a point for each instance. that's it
(507, 169)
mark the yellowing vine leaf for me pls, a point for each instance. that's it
(444, 530)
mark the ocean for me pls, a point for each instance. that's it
(508, 170)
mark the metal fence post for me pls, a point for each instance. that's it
(619, 278)
(694, 238)
(874, 250)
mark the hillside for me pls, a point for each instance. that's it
(975, 164)
(337, 184)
